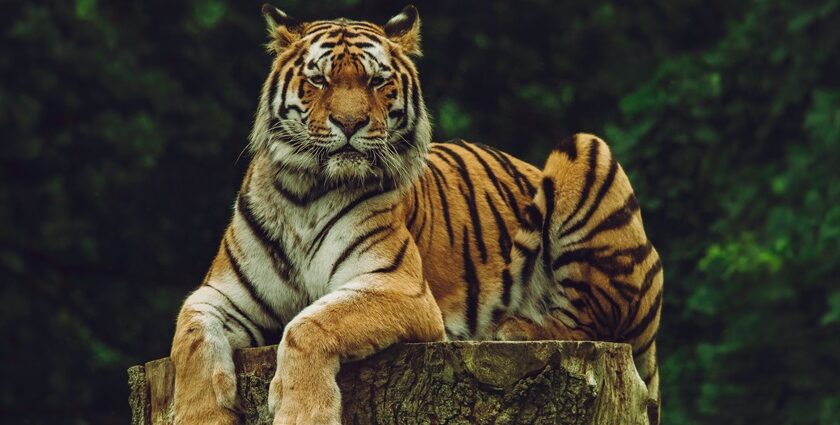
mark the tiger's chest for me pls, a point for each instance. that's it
(311, 249)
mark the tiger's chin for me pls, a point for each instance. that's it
(351, 168)
(356, 169)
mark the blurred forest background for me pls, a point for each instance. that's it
(122, 123)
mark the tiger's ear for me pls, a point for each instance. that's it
(282, 28)
(404, 29)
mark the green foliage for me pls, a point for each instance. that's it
(123, 122)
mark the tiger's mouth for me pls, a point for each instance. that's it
(348, 152)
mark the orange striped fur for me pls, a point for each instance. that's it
(352, 231)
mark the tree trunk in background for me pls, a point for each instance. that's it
(544, 382)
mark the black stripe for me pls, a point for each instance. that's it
(321, 236)
(490, 174)
(415, 97)
(507, 283)
(443, 200)
(316, 193)
(596, 202)
(584, 290)
(404, 81)
(617, 219)
(413, 217)
(618, 262)
(470, 200)
(281, 262)
(528, 266)
(473, 285)
(627, 290)
(249, 286)
(290, 108)
(548, 193)
(431, 206)
(217, 316)
(318, 27)
(503, 159)
(301, 85)
(588, 182)
(586, 255)
(642, 326)
(568, 146)
(588, 328)
(406, 142)
(506, 165)
(358, 32)
(649, 277)
(514, 206)
(397, 262)
(615, 309)
(441, 156)
(504, 236)
(535, 218)
(286, 80)
(376, 241)
(272, 90)
(377, 212)
(644, 347)
(415, 89)
(370, 27)
(239, 311)
(361, 45)
(231, 318)
(517, 177)
(647, 282)
(355, 244)
(316, 35)
(423, 217)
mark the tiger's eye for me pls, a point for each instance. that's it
(318, 80)
(377, 81)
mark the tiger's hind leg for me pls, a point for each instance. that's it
(584, 261)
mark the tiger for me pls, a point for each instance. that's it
(352, 231)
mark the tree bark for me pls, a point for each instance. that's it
(542, 382)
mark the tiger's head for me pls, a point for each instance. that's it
(343, 100)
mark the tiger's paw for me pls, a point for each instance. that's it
(296, 415)
(518, 329)
(224, 387)
(275, 393)
(296, 410)
(310, 397)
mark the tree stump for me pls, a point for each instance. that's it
(541, 382)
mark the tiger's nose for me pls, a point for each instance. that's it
(349, 124)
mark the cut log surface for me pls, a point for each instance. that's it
(542, 382)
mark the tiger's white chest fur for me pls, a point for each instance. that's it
(309, 238)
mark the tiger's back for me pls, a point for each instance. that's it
(514, 252)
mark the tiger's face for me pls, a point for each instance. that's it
(343, 100)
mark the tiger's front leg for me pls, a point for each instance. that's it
(365, 315)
